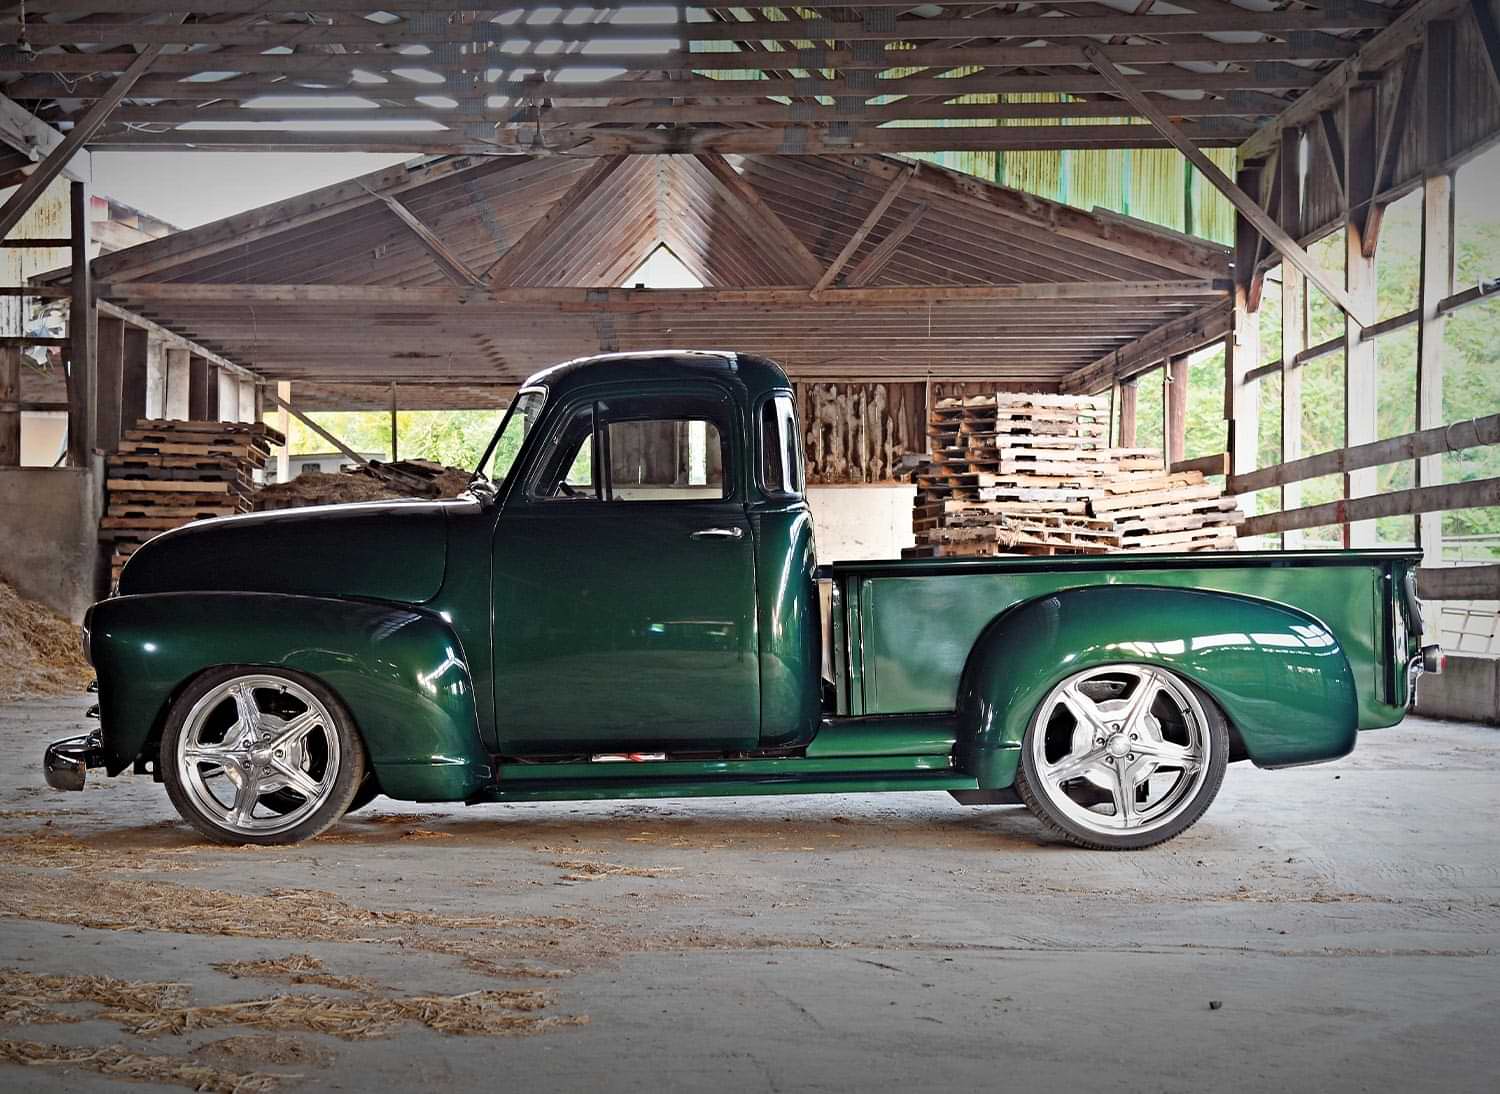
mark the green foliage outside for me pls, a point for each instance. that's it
(452, 437)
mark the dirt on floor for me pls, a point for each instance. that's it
(40, 651)
(1348, 916)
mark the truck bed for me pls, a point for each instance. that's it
(901, 631)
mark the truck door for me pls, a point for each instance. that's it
(624, 582)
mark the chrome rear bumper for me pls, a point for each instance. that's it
(1427, 660)
(66, 762)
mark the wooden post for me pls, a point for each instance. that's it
(1436, 283)
(1242, 350)
(109, 386)
(10, 406)
(228, 407)
(1360, 150)
(284, 453)
(1176, 410)
(156, 378)
(179, 376)
(200, 389)
(1128, 393)
(394, 455)
(246, 407)
(83, 320)
(133, 378)
(1293, 342)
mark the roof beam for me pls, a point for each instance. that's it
(878, 259)
(1308, 47)
(1248, 207)
(451, 264)
(1373, 211)
(745, 195)
(892, 192)
(1380, 51)
(16, 205)
(510, 264)
(33, 138)
(648, 300)
(1182, 335)
(115, 32)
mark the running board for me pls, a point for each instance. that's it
(648, 780)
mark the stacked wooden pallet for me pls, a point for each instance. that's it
(170, 473)
(1033, 474)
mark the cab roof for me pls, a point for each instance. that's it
(758, 374)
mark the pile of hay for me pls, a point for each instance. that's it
(39, 649)
(358, 484)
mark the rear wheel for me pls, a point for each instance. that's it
(260, 756)
(1120, 757)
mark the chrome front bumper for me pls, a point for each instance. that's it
(66, 762)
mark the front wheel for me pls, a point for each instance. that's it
(1120, 757)
(260, 756)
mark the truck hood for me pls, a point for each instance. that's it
(385, 550)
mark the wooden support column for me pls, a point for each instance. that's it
(133, 378)
(394, 426)
(109, 383)
(1436, 283)
(179, 376)
(1176, 410)
(1126, 434)
(200, 390)
(10, 406)
(83, 326)
(156, 378)
(1293, 342)
(1242, 350)
(228, 409)
(284, 453)
(1293, 323)
(1361, 149)
(245, 409)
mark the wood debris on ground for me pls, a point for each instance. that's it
(1016, 473)
(359, 484)
(170, 473)
(41, 651)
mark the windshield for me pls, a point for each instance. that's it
(506, 443)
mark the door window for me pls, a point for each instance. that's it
(567, 472)
(665, 459)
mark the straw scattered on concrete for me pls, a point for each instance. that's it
(586, 870)
(299, 968)
(118, 1062)
(40, 650)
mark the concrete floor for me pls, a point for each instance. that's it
(1345, 917)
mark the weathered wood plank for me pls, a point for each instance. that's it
(1421, 499)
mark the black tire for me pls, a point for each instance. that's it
(368, 791)
(346, 781)
(1028, 786)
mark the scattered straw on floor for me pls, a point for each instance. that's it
(39, 649)
(263, 1048)
(59, 850)
(119, 1062)
(585, 870)
(476, 1013)
(299, 968)
(104, 990)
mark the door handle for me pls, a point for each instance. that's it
(719, 533)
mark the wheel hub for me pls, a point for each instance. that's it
(1117, 746)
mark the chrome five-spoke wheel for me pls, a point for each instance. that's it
(1123, 756)
(260, 757)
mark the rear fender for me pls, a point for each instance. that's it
(400, 670)
(1279, 675)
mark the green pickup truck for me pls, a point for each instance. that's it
(627, 604)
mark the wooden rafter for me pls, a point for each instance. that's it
(892, 192)
(1397, 123)
(877, 260)
(16, 205)
(1248, 207)
(746, 196)
(513, 261)
(452, 265)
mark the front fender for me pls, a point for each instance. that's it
(1278, 674)
(400, 670)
